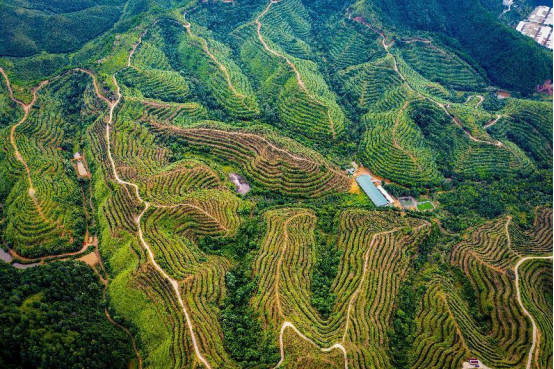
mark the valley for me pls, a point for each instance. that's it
(176, 189)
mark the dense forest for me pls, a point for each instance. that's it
(200, 184)
(52, 316)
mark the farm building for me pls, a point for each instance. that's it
(371, 190)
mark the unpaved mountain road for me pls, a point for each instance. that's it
(299, 80)
(287, 324)
(536, 335)
(174, 283)
(386, 46)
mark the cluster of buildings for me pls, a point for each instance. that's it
(539, 26)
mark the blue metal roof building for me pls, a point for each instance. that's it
(371, 190)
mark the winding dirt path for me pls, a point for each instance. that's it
(46, 258)
(26, 109)
(459, 124)
(288, 324)
(481, 99)
(206, 49)
(493, 122)
(128, 333)
(174, 283)
(536, 335)
(10, 91)
(275, 53)
(338, 345)
(506, 10)
(299, 80)
(386, 46)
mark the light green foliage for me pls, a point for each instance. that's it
(285, 95)
(440, 65)
(51, 217)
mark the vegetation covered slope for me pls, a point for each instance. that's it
(52, 316)
(210, 197)
(30, 27)
(509, 59)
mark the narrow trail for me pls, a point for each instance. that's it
(288, 324)
(275, 53)
(481, 99)
(506, 10)
(386, 46)
(536, 335)
(43, 259)
(508, 237)
(338, 345)
(10, 91)
(174, 283)
(459, 124)
(280, 262)
(299, 80)
(26, 109)
(206, 49)
(128, 333)
(493, 122)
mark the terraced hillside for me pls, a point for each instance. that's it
(375, 251)
(276, 164)
(199, 58)
(48, 208)
(276, 52)
(199, 160)
(440, 66)
(478, 310)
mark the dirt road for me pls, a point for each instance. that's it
(290, 63)
(137, 220)
(536, 336)
(386, 46)
(26, 109)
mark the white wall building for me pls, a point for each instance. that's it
(538, 26)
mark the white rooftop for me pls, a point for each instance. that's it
(538, 15)
(542, 36)
(548, 19)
